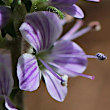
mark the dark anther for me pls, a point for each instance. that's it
(101, 56)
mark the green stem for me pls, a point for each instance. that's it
(15, 46)
(19, 13)
(16, 50)
(4, 43)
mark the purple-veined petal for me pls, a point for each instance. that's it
(73, 10)
(40, 30)
(94, 0)
(75, 64)
(6, 80)
(5, 14)
(28, 72)
(8, 104)
(55, 19)
(62, 2)
(54, 87)
(31, 35)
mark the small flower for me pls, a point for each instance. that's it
(54, 60)
(6, 80)
(68, 6)
(5, 15)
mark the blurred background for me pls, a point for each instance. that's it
(83, 94)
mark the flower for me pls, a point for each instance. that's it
(68, 6)
(53, 59)
(6, 80)
(5, 15)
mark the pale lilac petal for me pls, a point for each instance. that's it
(73, 10)
(62, 2)
(76, 64)
(94, 0)
(54, 87)
(40, 30)
(68, 6)
(63, 21)
(6, 80)
(56, 20)
(8, 104)
(5, 14)
(28, 72)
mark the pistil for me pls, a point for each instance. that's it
(72, 72)
(99, 56)
(50, 69)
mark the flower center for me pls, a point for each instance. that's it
(41, 55)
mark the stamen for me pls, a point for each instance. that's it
(49, 68)
(73, 55)
(64, 80)
(80, 33)
(71, 35)
(101, 56)
(95, 25)
(72, 72)
(78, 24)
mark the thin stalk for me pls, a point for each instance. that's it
(16, 50)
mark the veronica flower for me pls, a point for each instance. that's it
(6, 80)
(53, 59)
(5, 15)
(68, 6)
